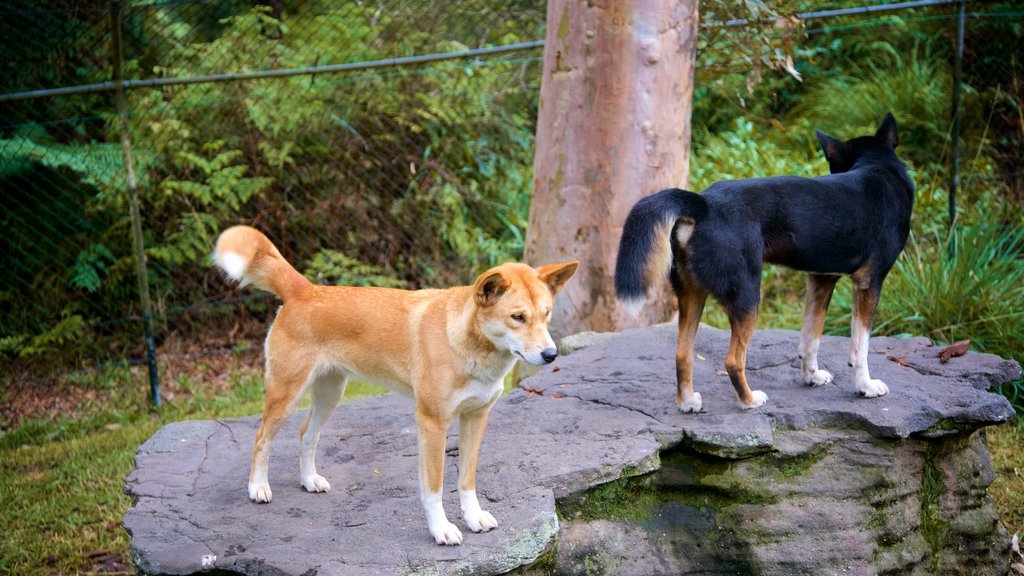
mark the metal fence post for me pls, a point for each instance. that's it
(958, 57)
(133, 200)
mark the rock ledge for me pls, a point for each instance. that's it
(590, 464)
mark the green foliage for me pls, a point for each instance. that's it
(334, 268)
(215, 188)
(98, 164)
(423, 161)
(419, 177)
(915, 86)
(90, 266)
(753, 69)
(65, 332)
(751, 150)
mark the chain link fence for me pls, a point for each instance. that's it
(401, 174)
(391, 142)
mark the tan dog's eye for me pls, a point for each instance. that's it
(519, 317)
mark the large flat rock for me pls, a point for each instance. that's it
(600, 414)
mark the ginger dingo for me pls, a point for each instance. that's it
(448, 349)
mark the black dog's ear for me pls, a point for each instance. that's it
(832, 147)
(887, 131)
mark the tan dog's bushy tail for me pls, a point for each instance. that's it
(249, 257)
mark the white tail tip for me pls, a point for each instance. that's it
(633, 305)
(233, 264)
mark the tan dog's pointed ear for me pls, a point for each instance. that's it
(556, 275)
(489, 287)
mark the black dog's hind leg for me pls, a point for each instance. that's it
(867, 288)
(819, 294)
(743, 325)
(691, 304)
(735, 281)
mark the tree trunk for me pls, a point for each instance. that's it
(613, 126)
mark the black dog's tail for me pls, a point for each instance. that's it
(645, 251)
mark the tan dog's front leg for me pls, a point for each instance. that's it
(471, 433)
(432, 434)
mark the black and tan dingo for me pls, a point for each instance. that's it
(448, 349)
(853, 222)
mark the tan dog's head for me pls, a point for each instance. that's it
(515, 302)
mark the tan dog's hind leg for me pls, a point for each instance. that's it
(433, 432)
(471, 433)
(284, 385)
(691, 305)
(819, 294)
(327, 391)
(736, 360)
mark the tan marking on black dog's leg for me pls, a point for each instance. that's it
(471, 433)
(819, 294)
(865, 301)
(691, 306)
(736, 361)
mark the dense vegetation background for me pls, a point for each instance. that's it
(413, 176)
(421, 175)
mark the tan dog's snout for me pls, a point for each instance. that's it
(538, 357)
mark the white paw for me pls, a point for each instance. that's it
(316, 483)
(481, 521)
(873, 389)
(758, 399)
(818, 378)
(260, 492)
(446, 533)
(691, 404)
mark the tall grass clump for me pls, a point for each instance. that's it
(915, 86)
(974, 284)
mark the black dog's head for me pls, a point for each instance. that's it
(842, 156)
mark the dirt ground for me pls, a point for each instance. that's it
(210, 363)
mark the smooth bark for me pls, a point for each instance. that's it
(613, 126)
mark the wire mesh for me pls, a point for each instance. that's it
(414, 175)
(409, 175)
